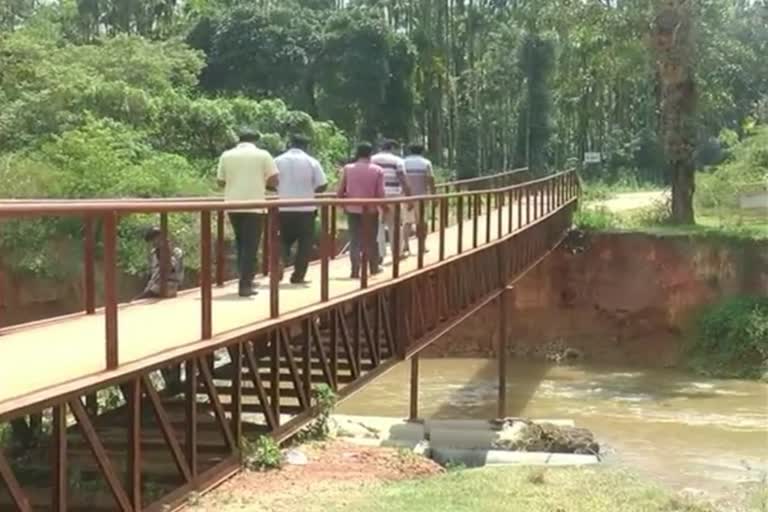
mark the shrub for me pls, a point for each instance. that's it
(596, 219)
(732, 337)
(319, 429)
(262, 454)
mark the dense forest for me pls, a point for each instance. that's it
(138, 97)
(488, 83)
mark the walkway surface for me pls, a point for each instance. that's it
(73, 348)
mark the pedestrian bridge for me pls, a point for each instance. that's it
(144, 403)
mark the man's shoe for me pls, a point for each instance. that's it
(376, 271)
(246, 291)
(300, 281)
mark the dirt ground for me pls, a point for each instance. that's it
(333, 467)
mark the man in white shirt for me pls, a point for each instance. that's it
(301, 176)
(246, 172)
(422, 182)
(395, 185)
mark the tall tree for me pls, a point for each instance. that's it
(538, 64)
(673, 41)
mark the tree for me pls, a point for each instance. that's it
(673, 41)
(537, 62)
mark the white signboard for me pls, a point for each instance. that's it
(592, 158)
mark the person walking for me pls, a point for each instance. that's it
(301, 176)
(421, 180)
(362, 179)
(246, 172)
(395, 185)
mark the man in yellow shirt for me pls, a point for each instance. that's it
(246, 172)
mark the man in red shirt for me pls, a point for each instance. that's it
(362, 180)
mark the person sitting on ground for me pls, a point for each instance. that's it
(154, 238)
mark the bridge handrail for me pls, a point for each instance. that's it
(532, 201)
(495, 178)
(175, 205)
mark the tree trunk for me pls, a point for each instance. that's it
(673, 42)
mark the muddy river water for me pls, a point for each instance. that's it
(685, 430)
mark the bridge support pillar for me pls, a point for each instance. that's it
(414, 410)
(502, 351)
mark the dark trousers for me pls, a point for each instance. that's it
(247, 227)
(363, 232)
(297, 228)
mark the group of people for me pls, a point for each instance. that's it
(246, 172)
(381, 175)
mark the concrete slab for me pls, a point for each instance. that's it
(478, 458)
(379, 427)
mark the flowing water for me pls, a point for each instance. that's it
(686, 430)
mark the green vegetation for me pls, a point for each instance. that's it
(732, 338)
(136, 98)
(319, 429)
(118, 118)
(717, 197)
(532, 490)
(262, 454)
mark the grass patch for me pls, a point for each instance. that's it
(728, 225)
(524, 489)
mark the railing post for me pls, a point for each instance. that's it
(273, 259)
(396, 240)
(110, 288)
(460, 227)
(500, 214)
(325, 251)
(421, 228)
(206, 297)
(221, 263)
(165, 257)
(501, 411)
(414, 395)
(443, 222)
(528, 194)
(489, 201)
(89, 255)
(475, 220)
(433, 205)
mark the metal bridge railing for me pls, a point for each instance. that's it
(515, 207)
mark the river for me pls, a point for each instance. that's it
(685, 430)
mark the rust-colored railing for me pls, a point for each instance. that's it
(516, 207)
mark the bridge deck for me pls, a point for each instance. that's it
(66, 350)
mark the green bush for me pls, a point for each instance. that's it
(319, 429)
(596, 219)
(732, 338)
(118, 118)
(719, 188)
(262, 454)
